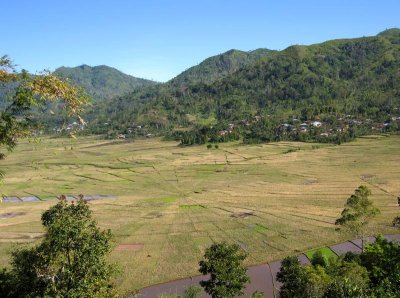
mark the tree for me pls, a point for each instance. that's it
(228, 276)
(318, 259)
(358, 212)
(348, 279)
(396, 222)
(382, 260)
(293, 278)
(342, 288)
(317, 281)
(71, 259)
(28, 92)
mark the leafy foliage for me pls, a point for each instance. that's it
(396, 221)
(293, 278)
(382, 260)
(375, 273)
(318, 259)
(228, 276)
(358, 211)
(71, 259)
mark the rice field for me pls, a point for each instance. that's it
(172, 202)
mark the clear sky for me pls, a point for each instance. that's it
(158, 39)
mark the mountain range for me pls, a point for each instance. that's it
(326, 81)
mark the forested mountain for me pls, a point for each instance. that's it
(341, 83)
(102, 82)
(219, 66)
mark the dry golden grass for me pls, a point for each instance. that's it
(295, 196)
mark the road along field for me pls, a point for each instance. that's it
(172, 202)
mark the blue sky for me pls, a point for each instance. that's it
(158, 39)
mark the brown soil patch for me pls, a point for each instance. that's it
(153, 215)
(129, 247)
(310, 181)
(10, 215)
(242, 214)
(367, 176)
(6, 237)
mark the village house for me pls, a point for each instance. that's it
(316, 123)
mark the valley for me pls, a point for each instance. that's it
(173, 201)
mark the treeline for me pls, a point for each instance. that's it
(265, 131)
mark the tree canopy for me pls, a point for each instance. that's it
(358, 212)
(228, 276)
(70, 261)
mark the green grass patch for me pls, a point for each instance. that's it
(45, 197)
(202, 241)
(259, 227)
(165, 200)
(327, 253)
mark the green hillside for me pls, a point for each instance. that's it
(102, 82)
(219, 66)
(354, 78)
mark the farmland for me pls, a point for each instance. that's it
(172, 201)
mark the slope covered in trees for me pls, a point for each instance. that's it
(348, 85)
(102, 82)
(219, 66)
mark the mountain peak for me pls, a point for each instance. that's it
(221, 65)
(102, 81)
(390, 32)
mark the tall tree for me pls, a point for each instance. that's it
(71, 259)
(228, 276)
(293, 277)
(358, 212)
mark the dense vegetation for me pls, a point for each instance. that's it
(102, 82)
(70, 261)
(219, 66)
(374, 273)
(351, 86)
